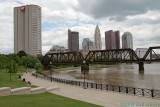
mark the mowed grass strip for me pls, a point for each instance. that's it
(42, 100)
(15, 82)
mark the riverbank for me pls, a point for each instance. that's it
(103, 98)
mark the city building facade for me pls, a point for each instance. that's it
(112, 39)
(127, 40)
(97, 39)
(73, 40)
(27, 29)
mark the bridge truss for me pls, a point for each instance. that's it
(63, 58)
(102, 56)
(114, 55)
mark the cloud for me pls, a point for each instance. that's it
(150, 17)
(135, 16)
(6, 26)
(117, 9)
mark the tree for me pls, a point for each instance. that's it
(40, 57)
(12, 62)
(21, 53)
(45, 62)
(4, 61)
(32, 62)
(12, 68)
(28, 61)
(38, 67)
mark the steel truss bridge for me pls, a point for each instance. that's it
(102, 56)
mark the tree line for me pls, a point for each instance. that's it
(14, 62)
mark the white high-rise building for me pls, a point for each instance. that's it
(97, 39)
(27, 29)
(127, 40)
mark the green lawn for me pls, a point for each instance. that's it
(14, 83)
(36, 100)
(41, 100)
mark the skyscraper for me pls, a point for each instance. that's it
(127, 40)
(97, 39)
(27, 29)
(112, 39)
(73, 40)
(117, 33)
(87, 45)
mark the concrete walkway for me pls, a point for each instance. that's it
(103, 98)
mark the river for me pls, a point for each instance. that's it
(119, 74)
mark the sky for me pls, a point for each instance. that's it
(140, 17)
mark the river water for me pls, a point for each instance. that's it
(119, 74)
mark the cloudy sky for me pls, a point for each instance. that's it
(140, 17)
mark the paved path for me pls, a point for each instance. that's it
(104, 98)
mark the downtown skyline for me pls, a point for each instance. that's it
(58, 16)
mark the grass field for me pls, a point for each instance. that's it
(14, 83)
(41, 100)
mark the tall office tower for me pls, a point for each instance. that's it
(127, 40)
(108, 39)
(73, 40)
(112, 40)
(87, 45)
(97, 39)
(117, 33)
(27, 29)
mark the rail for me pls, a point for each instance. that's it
(152, 93)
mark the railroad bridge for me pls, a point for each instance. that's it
(104, 56)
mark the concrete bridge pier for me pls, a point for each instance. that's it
(141, 67)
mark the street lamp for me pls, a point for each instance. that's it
(84, 70)
(50, 74)
(51, 70)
